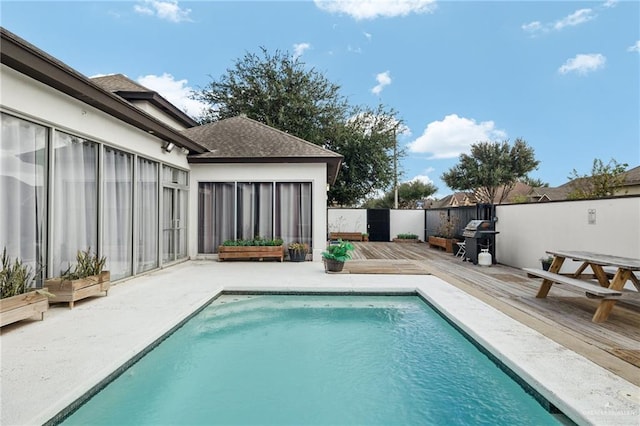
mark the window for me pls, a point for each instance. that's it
(117, 242)
(75, 199)
(23, 175)
(228, 210)
(147, 211)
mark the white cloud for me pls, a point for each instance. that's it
(578, 17)
(299, 49)
(610, 3)
(422, 178)
(635, 47)
(383, 79)
(371, 9)
(583, 64)
(175, 91)
(367, 35)
(163, 9)
(454, 135)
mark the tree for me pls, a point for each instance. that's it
(279, 91)
(490, 167)
(603, 181)
(408, 194)
(367, 140)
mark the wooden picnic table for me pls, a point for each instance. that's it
(603, 266)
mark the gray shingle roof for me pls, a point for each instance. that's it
(119, 83)
(241, 139)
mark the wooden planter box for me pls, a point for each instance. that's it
(250, 252)
(346, 236)
(68, 291)
(447, 244)
(406, 240)
(22, 306)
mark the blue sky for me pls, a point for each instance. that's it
(564, 76)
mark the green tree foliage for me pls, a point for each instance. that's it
(491, 168)
(278, 90)
(408, 194)
(367, 141)
(603, 181)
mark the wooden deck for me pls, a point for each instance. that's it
(564, 316)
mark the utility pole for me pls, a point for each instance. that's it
(395, 168)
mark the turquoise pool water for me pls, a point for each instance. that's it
(318, 360)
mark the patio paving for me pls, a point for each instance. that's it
(47, 365)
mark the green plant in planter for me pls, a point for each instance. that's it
(338, 252)
(407, 237)
(546, 262)
(297, 252)
(87, 264)
(15, 277)
(257, 241)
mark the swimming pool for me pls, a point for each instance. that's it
(314, 360)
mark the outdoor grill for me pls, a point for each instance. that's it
(478, 235)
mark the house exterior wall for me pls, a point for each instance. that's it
(32, 100)
(263, 172)
(159, 114)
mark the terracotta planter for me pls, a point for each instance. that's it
(331, 265)
(68, 291)
(447, 244)
(250, 252)
(22, 306)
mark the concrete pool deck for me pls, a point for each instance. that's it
(47, 365)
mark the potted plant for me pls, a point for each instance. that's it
(297, 252)
(546, 262)
(365, 236)
(86, 278)
(335, 256)
(18, 298)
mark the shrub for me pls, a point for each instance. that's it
(407, 237)
(258, 241)
(87, 264)
(15, 277)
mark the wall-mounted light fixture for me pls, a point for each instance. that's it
(168, 146)
(184, 150)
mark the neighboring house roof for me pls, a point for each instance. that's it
(27, 59)
(243, 140)
(632, 177)
(455, 200)
(128, 89)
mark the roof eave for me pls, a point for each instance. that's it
(31, 62)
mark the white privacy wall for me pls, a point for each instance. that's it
(527, 230)
(355, 220)
(316, 173)
(406, 222)
(346, 220)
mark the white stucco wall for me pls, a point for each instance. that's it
(31, 100)
(406, 222)
(527, 230)
(347, 220)
(314, 173)
(159, 114)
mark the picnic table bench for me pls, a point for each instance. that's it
(611, 274)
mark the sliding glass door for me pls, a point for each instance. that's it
(23, 176)
(75, 199)
(174, 214)
(117, 240)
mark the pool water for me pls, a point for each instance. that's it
(317, 360)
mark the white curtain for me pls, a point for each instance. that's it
(147, 211)
(255, 210)
(22, 190)
(293, 212)
(75, 215)
(118, 212)
(216, 215)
